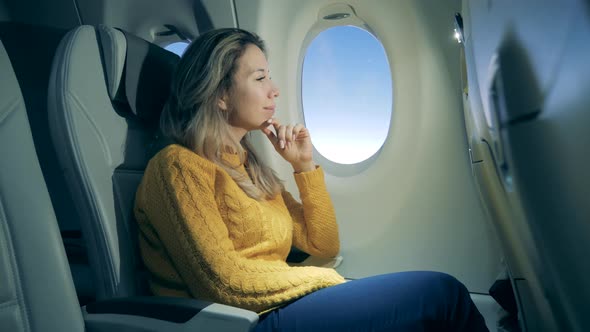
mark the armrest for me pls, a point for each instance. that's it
(320, 262)
(299, 258)
(154, 313)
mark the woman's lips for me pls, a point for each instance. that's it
(271, 109)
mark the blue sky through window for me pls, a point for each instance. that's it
(178, 47)
(347, 94)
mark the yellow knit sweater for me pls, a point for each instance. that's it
(201, 236)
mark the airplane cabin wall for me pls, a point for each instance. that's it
(55, 13)
(3, 12)
(542, 214)
(415, 207)
(146, 18)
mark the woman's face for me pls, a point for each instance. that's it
(252, 96)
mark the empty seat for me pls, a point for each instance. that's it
(36, 288)
(31, 49)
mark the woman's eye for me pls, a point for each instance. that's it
(261, 78)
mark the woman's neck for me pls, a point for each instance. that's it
(237, 133)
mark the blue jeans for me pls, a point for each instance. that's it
(405, 301)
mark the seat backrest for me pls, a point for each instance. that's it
(31, 49)
(531, 124)
(106, 91)
(36, 288)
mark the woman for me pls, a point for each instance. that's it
(216, 223)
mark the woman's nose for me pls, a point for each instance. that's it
(275, 90)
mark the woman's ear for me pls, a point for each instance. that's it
(222, 105)
(222, 102)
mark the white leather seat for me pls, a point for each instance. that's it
(32, 70)
(36, 288)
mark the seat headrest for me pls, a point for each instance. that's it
(138, 73)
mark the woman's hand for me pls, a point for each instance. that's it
(293, 143)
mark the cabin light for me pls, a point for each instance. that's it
(459, 29)
(337, 16)
(457, 36)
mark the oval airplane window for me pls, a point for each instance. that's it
(178, 47)
(346, 92)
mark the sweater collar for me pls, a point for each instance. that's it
(233, 158)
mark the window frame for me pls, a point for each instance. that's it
(322, 24)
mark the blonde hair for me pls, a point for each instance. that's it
(192, 117)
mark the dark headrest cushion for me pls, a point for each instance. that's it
(147, 78)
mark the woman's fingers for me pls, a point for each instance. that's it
(284, 136)
(289, 135)
(269, 134)
(296, 130)
(267, 131)
(281, 132)
(275, 137)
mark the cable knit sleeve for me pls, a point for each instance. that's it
(177, 198)
(315, 230)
